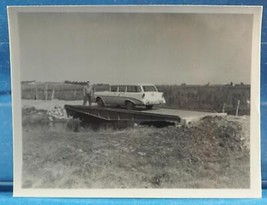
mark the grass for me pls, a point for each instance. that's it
(211, 98)
(211, 153)
(61, 91)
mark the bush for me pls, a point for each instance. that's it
(74, 125)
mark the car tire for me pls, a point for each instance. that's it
(129, 105)
(100, 102)
(149, 107)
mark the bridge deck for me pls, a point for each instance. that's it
(97, 114)
(186, 115)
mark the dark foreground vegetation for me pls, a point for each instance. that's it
(210, 153)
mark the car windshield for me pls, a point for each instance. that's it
(133, 89)
(149, 88)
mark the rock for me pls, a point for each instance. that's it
(142, 153)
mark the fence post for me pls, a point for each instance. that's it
(74, 93)
(53, 94)
(223, 110)
(36, 93)
(46, 91)
(237, 108)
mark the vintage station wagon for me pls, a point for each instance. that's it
(130, 96)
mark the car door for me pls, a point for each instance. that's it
(121, 95)
(134, 93)
(112, 99)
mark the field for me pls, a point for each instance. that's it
(216, 98)
(60, 153)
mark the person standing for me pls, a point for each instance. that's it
(88, 93)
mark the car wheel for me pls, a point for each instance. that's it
(149, 107)
(100, 102)
(129, 105)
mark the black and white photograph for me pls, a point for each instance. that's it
(136, 101)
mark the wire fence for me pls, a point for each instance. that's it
(220, 98)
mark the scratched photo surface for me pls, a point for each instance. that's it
(135, 100)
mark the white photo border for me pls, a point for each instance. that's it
(255, 177)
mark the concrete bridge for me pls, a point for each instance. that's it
(159, 117)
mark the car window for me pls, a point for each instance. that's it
(139, 89)
(113, 88)
(122, 88)
(149, 88)
(133, 89)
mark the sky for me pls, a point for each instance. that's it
(136, 48)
